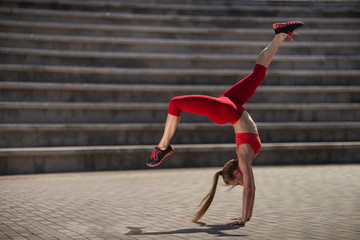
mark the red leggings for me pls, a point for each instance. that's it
(227, 108)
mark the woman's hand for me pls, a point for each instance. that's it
(238, 221)
(236, 218)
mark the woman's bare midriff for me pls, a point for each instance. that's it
(245, 124)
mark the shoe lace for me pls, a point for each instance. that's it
(155, 154)
(289, 36)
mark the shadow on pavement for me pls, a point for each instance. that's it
(217, 230)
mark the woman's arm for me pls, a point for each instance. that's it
(249, 189)
(253, 197)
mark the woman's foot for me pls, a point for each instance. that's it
(287, 28)
(159, 155)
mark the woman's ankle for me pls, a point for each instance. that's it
(281, 35)
(163, 147)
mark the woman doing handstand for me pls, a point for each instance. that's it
(228, 108)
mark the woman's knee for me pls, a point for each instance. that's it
(173, 107)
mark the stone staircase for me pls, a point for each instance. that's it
(85, 85)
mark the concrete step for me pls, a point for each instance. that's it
(42, 73)
(222, 3)
(114, 44)
(50, 135)
(128, 19)
(211, 33)
(33, 112)
(181, 9)
(278, 3)
(72, 92)
(228, 3)
(173, 61)
(71, 159)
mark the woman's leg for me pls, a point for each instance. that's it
(268, 53)
(164, 149)
(197, 104)
(170, 127)
(213, 108)
(242, 91)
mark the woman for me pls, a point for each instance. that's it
(228, 109)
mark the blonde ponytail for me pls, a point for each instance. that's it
(206, 202)
(227, 176)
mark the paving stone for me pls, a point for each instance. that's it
(297, 202)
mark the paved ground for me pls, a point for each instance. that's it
(312, 202)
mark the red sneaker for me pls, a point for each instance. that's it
(159, 155)
(288, 28)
